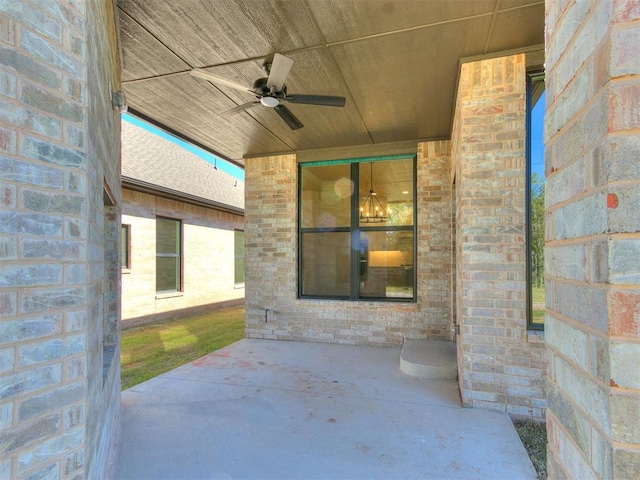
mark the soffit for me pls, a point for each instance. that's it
(395, 62)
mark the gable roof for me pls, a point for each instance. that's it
(156, 165)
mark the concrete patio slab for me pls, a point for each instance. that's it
(262, 409)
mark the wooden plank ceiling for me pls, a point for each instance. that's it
(395, 61)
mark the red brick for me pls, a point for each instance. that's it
(624, 313)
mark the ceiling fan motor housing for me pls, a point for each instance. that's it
(261, 88)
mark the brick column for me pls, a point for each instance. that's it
(270, 242)
(593, 240)
(59, 275)
(499, 366)
(434, 250)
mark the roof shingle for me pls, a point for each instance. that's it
(154, 161)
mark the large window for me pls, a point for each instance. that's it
(238, 252)
(357, 230)
(168, 255)
(535, 199)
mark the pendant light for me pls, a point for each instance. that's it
(371, 210)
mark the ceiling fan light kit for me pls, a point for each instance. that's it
(270, 101)
(271, 91)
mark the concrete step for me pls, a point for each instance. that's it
(429, 359)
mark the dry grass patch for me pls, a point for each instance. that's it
(534, 439)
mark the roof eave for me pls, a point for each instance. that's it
(149, 188)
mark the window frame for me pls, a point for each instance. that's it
(179, 256)
(354, 229)
(532, 75)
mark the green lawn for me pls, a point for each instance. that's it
(537, 294)
(153, 349)
(537, 297)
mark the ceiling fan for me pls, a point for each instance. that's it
(272, 91)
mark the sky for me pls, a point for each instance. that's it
(537, 137)
(223, 165)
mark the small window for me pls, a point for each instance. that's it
(535, 199)
(238, 252)
(125, 246)
(357, 230)
(168, 255)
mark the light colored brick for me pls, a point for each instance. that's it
(7, 356)
(589, 396)
(624, 365)
(14, 170)
(571, 341)
(29, 380)
(30, 275)
(28, 328)
(6, 416)
(624, 261)
(53, 349)
(625, 417)
(53, 448)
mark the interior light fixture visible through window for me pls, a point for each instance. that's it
(372, 210)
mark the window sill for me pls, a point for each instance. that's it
(160, 296)
(238, 286)
(535, 336)
(125, 271)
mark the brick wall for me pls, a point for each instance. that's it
(271, 249)
(59, 146)
(501, 365)
(208, 259)
(593, 244)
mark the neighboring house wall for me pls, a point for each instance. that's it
(271, 253)
(207, 266)
(59, 282)
(593, 238)
(501, 365)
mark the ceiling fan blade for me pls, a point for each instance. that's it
(198, 72)
(288, 117)
(325, 100)
(238, 109)
(280, 68)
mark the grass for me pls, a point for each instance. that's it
(150, 350)
(537, 294)
(537, 297)
(538, 316)
(534, 439)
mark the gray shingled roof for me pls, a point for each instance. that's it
(155, 164)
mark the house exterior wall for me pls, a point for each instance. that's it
(593, 238)
(271, 263)
(59, 288)
(501, 365)
(208, 259)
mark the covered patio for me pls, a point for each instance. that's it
(261, 409)
(441, 83)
